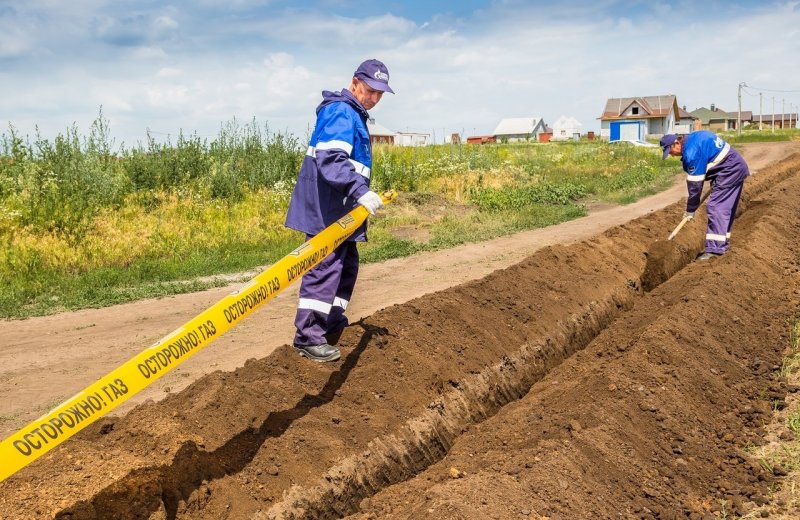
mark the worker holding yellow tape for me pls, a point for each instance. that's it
(335, 175)
(333, 181)
(45, 433)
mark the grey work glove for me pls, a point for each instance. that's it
(688, 215)
(371, 200)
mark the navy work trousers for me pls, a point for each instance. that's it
(325, 292)
(726, 191)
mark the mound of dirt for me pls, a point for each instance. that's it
(554, 388)
(657, 417)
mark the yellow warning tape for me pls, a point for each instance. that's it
(110, 391)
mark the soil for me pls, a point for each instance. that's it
(526, 377)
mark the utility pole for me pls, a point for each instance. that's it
(773, 114)
(760, 111)
(783, 113)
(739, 117)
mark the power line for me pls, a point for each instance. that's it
(768, 89)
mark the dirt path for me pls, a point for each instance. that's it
(45, 360)
(552, 388)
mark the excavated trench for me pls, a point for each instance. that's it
(660, 416)
(285, 438)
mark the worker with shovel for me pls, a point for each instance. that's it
(706, 157)
(333, 180)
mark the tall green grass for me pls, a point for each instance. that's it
(766, 135)
(556, 170)
(86, 223)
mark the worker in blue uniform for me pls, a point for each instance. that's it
(334, 179)
(707, 157)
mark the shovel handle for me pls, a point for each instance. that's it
(678, 227)
(687, 219)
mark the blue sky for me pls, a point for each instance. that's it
(456, 66)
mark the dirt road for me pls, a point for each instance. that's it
(45, 360)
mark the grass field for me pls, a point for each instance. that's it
(83, 224)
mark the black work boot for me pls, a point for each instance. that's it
(332, 338)
(320, 353)
(704, 257)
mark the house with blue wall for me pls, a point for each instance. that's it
(637, 118)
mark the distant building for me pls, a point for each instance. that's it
(635, 118)
(412, 139)
(519, 129)
(566, 128)
(379, 134)
(686, 122)
(716, 119)
(781, 120)
(481, 139)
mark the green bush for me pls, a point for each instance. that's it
(60, 185)
(493, 199)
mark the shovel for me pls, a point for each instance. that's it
(665, 257)
(687, 218)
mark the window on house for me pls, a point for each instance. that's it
(635, 110)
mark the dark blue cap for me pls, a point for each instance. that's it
(666, 142)
(375, 74)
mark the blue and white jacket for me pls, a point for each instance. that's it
(701, 154)
(336, 169)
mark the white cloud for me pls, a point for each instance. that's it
(112, 100)
(169, 72)
(325, 30)
(192, 66)
(147, 53)
(165, 23)
(17, 34)
(234, 4)
(14, 43)
(168, 96)
(432, 95)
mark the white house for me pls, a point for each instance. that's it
(686, 122)
(566, 128)
(519, 129)
(634, 118)
(411, 139)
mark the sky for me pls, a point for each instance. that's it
(162, 67)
